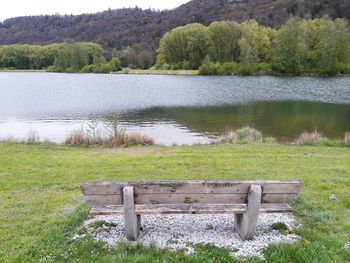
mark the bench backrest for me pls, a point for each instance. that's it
(99, 195)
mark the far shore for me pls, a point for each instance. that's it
(127, 71)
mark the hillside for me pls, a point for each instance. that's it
(123, 27)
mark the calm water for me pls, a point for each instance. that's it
(172, 109)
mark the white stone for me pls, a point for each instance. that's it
(180, 231)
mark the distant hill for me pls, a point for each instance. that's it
(123, 27)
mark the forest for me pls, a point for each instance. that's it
(118, 29)
(299, 47)
(318, 46)
(65, 57)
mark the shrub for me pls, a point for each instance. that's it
(88, 69)
(248, 134)
(210, 68)
(310, 138)
(245, 70)
(176, 66)
(103, 68)
(229, 68)
(71, 70)
(165, 67)
(229, 137)
(76, 138)
(186, 65)
(110, 135)
(347, 139)
(116, 65)
(264, 68)
(245, 134)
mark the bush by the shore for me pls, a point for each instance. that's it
(245, 134)
(82, 138)
(250, 135)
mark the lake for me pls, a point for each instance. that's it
(172, 109)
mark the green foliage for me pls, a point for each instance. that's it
(280, 226)
(319, 46)
(116, 64)
(103, 67)
(210, 68)
(73, 57)
(248, 134)
(66, 57)
(224, 41)
(165, 67)
(139, 56)
(28, 56)
(186, 43)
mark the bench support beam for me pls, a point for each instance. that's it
(246, 223)
(132, 220)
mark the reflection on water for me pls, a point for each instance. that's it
(172, 109)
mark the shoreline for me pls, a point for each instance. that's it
(168, 73)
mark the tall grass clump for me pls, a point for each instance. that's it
(107, 133)
(32, 137)
(245, 134)
(310, 138)
(249, 134)
(229, 137)
(76, 138)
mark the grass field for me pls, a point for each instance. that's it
(40, 199)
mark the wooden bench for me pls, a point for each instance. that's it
(244, 199)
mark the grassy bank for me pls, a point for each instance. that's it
(40, 199)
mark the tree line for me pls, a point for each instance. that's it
(65, 57)
(318, 46)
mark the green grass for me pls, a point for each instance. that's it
(161, 72)
(40, 199)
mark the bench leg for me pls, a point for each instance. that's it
(132, 221)
(246, 223)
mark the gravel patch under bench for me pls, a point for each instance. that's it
(180, 231)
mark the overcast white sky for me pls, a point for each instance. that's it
(12, 8)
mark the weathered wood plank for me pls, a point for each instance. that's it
(220, 182)
(190, 209)
(96, 201)
(190, 199)
(210, 198)
(279, 198)
(187, 209)
(208, 187)
(192, 187)
(275, 208)
(281, 188)
(103, 188)
(102, 200)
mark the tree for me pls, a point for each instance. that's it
(224, 41)
(289, 51)
(255, 44)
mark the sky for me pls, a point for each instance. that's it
(13, 8)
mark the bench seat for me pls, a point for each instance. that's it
(191, 209)
(242, 199)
